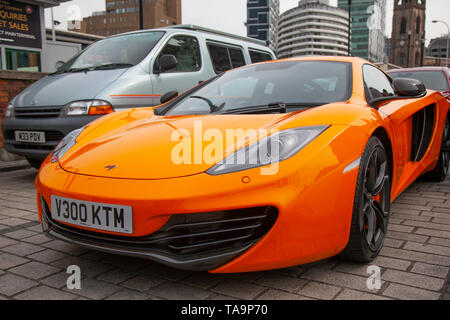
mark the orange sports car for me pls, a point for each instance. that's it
(266, 166)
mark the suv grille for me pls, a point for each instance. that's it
(34, 112)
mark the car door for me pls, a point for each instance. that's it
(189, 71)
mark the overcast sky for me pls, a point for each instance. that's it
(230, 15)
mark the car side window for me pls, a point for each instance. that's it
(376, 83)
(225, 58)
(187, 51)
(259, 56)
(237, 57)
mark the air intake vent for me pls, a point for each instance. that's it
(200, 241)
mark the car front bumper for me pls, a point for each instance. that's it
(55, 129)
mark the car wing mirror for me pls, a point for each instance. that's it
(168, 96)
(165, 63)
(408, 87)
(404, 88)
(59, 65)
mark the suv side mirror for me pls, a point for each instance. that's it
(409, 87)
(169, 96)
(59, 65)
(165, 63)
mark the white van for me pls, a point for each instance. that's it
(128, 70)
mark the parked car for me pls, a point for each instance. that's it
(128, 70)
(265, 166)
(434, 78)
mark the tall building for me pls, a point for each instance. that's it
(262, 21)
(368, 21)
(123, 16)
(408, 33)
(313, 28)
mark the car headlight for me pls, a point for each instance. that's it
(9, 112)
(65, 144)
(271, 149)
(89, 107)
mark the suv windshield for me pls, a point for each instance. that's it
(115, 52)
(434, 80)
(296, 84)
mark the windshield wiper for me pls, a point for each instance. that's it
(79, 69)
(279, 107)
(98, 67)
(211, 105)
(112, 66)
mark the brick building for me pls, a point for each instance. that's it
(408, 33)
(123, 16)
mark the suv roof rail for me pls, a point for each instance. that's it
(217, 32)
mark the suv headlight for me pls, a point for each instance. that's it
(9, 112)
(272, 149)
(89, 107)
(65, 144)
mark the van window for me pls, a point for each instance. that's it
(259, 56)
(187, 52)
(237, 57)
(225, 58)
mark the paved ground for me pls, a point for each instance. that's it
(414, 263)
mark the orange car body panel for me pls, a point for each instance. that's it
(311, 191)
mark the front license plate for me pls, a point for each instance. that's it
(30, 136)
(94, 215)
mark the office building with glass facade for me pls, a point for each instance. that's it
(368, 21)
(262, 21)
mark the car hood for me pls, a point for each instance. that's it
(60, 89)
(126, 147)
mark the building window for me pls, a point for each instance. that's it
(22, 60)
(403, 26)
(418, 25)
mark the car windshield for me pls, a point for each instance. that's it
(115, 52)
(434, 80)
(296, 84)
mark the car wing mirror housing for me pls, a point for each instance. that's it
(409, 87)
(165, 63)
(59, 64)
(404, 88)
(168, 96)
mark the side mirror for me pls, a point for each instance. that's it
(165, 63)
(59, 65)
(169, 96)
(409, 87)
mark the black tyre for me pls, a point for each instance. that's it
(35, 163)
(440, 172)
(371, 206)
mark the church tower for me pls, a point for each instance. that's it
(408, 33)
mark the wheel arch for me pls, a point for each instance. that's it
(382, 134)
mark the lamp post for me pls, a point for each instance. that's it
(409, 49)
(141, 14)
(349, 2)
(448, 33)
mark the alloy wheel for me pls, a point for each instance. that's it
(376, 200)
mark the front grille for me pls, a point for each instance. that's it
(187, 236)
(37, 112)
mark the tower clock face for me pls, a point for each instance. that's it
(402, 43)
